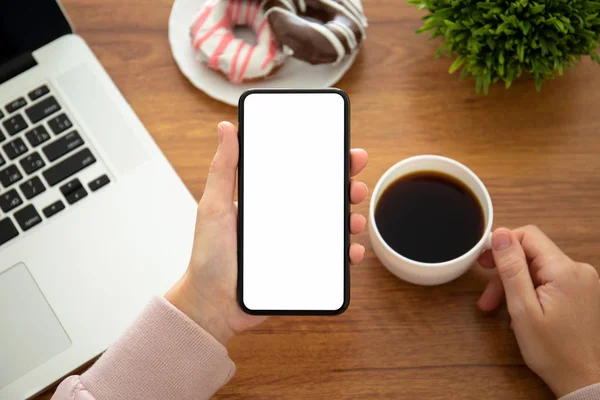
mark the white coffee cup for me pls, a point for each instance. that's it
(430, 273)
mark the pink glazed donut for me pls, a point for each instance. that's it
(217, 47)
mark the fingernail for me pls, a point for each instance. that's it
(220, 133)
(501, 240)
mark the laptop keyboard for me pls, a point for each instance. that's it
(42, 154)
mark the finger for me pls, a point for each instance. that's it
(220, 184)
(541, 252)
(486, 260)
(513, 269)
(358, 222)
(492, 296)
(358, 161)
(358, 191)
(357, 252)
(536, 243)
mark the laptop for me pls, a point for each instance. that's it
(93, 219)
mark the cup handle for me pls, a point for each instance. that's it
(487, 245)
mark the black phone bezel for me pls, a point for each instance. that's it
(240, 237)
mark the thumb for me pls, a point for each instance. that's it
(220, 184)
(512, 266)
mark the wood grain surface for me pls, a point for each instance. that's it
(538, 153)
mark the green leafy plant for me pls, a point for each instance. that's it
(496, 40)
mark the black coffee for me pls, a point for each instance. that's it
(429, 217)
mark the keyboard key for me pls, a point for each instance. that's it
(15, 148)
(2, 137)
(10, 200)
(32, 188)
(28, 217)
(53, 208)
(39, 92)
(77, 195)
(2, 162)
(43, 109)
(10, 175)
(98, 182)
(8, 230)
(37, 136)
(70, 187)
(62, 146)
(1, 114)
(68, 167)
(16, 104)
(32, 163)
(60, 124)
(14, 125)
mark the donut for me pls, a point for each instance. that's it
(318, 31)
(216, 46)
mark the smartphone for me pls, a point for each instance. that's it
(293, 202)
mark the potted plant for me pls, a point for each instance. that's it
(497, 40)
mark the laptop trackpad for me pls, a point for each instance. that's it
(30, 333)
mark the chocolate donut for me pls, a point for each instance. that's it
(317, 31)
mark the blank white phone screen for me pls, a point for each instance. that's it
(293, 201)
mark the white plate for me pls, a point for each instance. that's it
(293, 74)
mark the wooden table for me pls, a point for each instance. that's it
(539, 155)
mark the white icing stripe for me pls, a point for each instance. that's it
(358, 4)
(242, 13)
(348, 14)
(337, 44)
(289, 4)
(351, 33)
(332, 28)
(302, 5)
(270, 10)
(346, 32)
(336, 28)
(281, 10)
(351, 5)
(238, 61)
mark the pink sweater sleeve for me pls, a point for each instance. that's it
(163, 355)
(591, 392)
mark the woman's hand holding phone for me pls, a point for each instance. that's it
(207, 291)
(554, 304)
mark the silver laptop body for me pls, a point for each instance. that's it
(93, 219)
